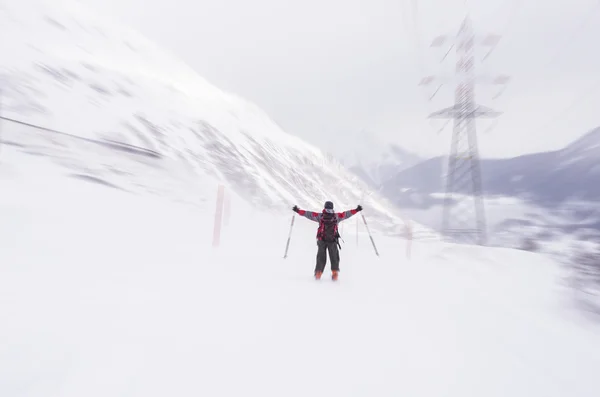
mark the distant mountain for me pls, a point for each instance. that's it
(374, 160)
(547, 179)
(549, 200)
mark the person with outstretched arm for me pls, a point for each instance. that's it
(327, 236)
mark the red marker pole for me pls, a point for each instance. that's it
(218, 216)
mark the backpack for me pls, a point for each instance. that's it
(328, 228)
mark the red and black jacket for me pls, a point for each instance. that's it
(319, 217)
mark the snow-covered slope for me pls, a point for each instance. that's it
(68, 69)
(374, 160)
(106, 293)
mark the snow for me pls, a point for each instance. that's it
(109, 284)
(516, 178)
(570, 160)
(373, 157)
(73, 70)
(512, 220)
(83, 48)
(107, 292)
(65, 52)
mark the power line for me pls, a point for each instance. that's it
(571, 106)
(559, 55)
(415, 43)
(516, 6)
(583, 22)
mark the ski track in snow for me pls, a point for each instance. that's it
(104, 292)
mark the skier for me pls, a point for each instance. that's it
(327, 236)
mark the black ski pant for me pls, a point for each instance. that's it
(334, 255)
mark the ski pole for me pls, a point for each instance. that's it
(289, 237)
(371, 237)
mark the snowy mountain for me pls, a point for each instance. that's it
(374, 160)
(68, 69)
(548, 178)
(550, 196)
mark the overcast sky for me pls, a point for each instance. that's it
(326, 70)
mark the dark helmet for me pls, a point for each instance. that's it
(328, 205)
